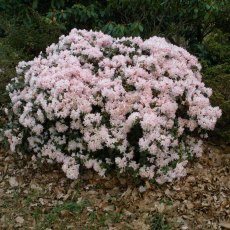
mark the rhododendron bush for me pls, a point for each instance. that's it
(98, 102)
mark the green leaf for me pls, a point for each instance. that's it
(35, 4)
(141, 28)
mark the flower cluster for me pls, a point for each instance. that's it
(98, 102)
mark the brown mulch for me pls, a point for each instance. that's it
(201, 200)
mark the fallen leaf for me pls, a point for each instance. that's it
(19, 220)
(13, 182)
(225, 225)
(190, 205)
(109, 208)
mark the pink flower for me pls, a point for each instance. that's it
(93, 101)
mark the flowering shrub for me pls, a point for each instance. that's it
(97, 102)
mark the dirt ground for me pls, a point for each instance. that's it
(41, 197)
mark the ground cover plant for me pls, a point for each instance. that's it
(98, 102)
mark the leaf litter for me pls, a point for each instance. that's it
(42, 197)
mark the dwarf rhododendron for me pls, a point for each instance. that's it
(97, 102)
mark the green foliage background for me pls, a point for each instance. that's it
(29, 26)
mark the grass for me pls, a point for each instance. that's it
(48, 219)
(166, 202)
(159, 222)
(31, 197)
(109, 217)
(71, 214)
(99, 221)
(74, 210)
